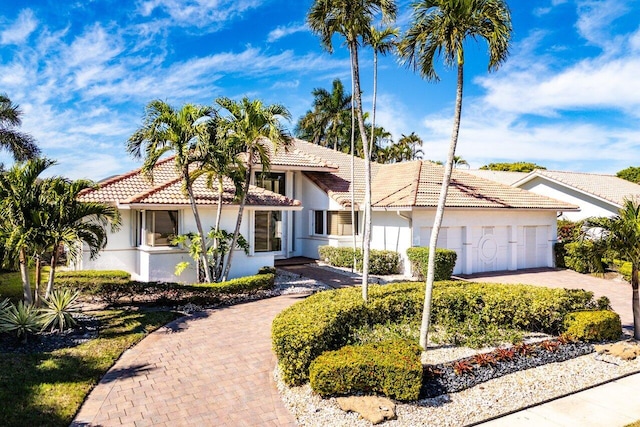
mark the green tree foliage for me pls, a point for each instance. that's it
(632, 173)
(512, 167)
(21, 145)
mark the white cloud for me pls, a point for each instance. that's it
(21, 29)
(595, 18)
(286, 30)
(210, 14)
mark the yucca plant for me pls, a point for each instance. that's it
(4, 304)
(23, 319)
(58, 309)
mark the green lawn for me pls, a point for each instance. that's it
(47, 389)
(11, 285)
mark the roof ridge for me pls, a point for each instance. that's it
(417, 182)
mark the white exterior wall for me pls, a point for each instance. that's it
(589, 206)
(314, 199)
(392, 232)
(491, 240)
(157, 264)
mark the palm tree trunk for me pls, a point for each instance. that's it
(354, 225)
(52, 271)
(196, 216)
(24, 275)
(375, 97)
(426, 312)
(218, 219)
(353, 48)
(635, 301)
(236, 232)
(36, 293)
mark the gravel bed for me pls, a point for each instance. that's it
(490, 399)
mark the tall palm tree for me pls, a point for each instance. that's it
(21, 196)
(382, 42)
(441, 27)
(21, 145)
(352, 19)
(220, 159)
(252, 125)
(412, 141)
(622, 235)
(330, 108)
(72, 222)
(180, 132)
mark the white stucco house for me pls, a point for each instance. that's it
(305, 202)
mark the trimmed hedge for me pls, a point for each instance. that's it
(324, 321)
(380, 262)
(236, 286)
(445, 262)
(600, 325)
(92, 282)
(584, 256)
(392, 368)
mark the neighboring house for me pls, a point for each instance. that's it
(597, 195)
(305, 202)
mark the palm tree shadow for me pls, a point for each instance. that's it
(126, 372)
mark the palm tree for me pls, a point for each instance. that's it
(412, 141)
(252, 125)
(441, 27)
(622, 235)
(21, 195)
(72, 222)
(352, 19)
(21, 145)
(382, 42)
(329, 109)
(220, 159)
(166, 130)
(458, 161)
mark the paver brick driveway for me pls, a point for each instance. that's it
(210, 369)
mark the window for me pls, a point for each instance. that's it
(268, 231)
(338, 223)
(161, 227)
(271, 181)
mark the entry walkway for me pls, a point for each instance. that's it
(210, 369)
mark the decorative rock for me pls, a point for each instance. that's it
(372, 408)
(625, 350)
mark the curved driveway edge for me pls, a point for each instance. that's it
(212, 368)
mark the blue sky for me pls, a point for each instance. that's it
(568, 97)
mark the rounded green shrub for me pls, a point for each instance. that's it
(597, 325)
(380, 262)
(445, 262)
(391, 368)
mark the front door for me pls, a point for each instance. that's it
(268, 231)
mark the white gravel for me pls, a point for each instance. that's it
(490, 399)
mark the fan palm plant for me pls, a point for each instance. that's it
(441, 28)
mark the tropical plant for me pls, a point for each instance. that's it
(632, 173)
(215, 251)
(352, 19)
(512, 167)
(167, 130)
(21, 318)
(21, 207)
(459, 161)
(441, 27)
(21, 145)
(58, 310)
(382, 42)
(622, 235)
(325, 124)
(252, 125)
(71, 222)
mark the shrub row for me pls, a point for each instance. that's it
(445, 262)
(599, 325)
(584, 256)
(380, 262)
(114, 286)
(324, 321)
(392, 368)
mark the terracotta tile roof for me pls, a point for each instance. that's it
(417, 184)
(503, 177)
(607, 187)
(166, 189)
(299, 156)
